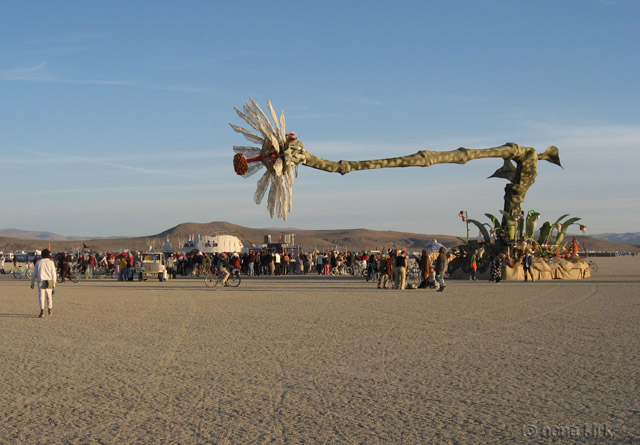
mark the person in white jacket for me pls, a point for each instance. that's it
(45, 273)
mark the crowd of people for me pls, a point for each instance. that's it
(388, 267)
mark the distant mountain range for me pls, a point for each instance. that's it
(345, 239)
(46, 236)
(631, 237)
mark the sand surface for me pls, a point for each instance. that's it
(323, 360)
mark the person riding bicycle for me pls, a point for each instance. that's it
(65, 268)
(223, 265)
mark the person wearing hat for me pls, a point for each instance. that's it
(400, 270)
(45, 273)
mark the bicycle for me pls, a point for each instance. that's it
(371, 273)
(593, 266)
(73, 275)
(341, 270)
(100, 272)
(23, 272)
(104, 269)
(413, 277)
(212, 280)
(359, 271)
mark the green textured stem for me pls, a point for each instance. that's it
(526, 159)
(423, 158)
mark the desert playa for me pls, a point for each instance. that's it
(323, 360)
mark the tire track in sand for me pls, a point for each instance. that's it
(168, 356)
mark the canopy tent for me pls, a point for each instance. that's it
(168, 247)
(434, 246)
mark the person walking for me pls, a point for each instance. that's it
(45, 274)
(441, 267)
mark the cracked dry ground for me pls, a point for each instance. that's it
(320, 359)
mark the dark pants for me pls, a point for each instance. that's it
(528, 271)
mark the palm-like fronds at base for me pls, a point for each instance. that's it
(559, 220)
(545, 232)
(563, 231)
(494, 220)
(531, 222)
(482, 228)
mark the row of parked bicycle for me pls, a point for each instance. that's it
(371, 273)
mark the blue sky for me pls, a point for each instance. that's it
(114, 115)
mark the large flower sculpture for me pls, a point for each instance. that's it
(280, 153)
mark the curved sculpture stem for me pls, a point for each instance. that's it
(426, 158)
(522, 176)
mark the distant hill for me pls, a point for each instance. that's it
(344, 239)
(34, 235)
(351, 239)
(631, 237)
(29, 235)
